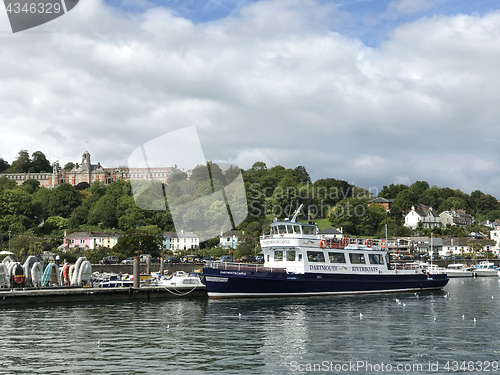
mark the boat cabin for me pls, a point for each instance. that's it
(298, 248)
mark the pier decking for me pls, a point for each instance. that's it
(16, 297)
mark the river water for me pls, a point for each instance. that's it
(423, 333)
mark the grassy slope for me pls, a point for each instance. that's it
(322, 223)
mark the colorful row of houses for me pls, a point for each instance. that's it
(175, 241)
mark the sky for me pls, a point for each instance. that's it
(372, 92)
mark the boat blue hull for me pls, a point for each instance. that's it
(222, 283)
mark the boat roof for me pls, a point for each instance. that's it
(292, 222)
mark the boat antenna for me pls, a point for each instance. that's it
(296, 213)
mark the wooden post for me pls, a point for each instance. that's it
(137, 280)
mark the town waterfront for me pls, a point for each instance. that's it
(271, 336)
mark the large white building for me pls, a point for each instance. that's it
(422, 214)
(177, 241)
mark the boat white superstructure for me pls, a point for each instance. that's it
(459, 270)
(486, 269)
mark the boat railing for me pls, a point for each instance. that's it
(408, 266)
(243, 267)
(355, 243)
(338, 243)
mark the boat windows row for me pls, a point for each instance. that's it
(293, 229)
(333, 257)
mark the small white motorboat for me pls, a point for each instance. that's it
(181, 280)
(459, 270)
(486, 269)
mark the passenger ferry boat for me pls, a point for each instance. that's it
(299, 262)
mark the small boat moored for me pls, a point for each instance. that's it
(459, 270)
(182, 281)
(485, 269)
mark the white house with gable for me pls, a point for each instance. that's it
(422, 214)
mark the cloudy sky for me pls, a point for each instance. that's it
(373, 92)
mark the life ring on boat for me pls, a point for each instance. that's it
(369, 243)
(322, 244)
(345, 242)
(383, 244)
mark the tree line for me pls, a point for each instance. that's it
(35, 211)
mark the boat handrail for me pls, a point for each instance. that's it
(336, 243)
(243, 267)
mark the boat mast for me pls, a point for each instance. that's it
(296, 213)
(432, 251)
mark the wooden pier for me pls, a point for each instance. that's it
(56, 295)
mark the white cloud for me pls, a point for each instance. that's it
(272, 83)
(409, 6)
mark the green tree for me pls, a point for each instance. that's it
(63, 201)
(405, 199)
(54, 223)
(302, 175)
(231, 174)
(254, 174)
(119, 189)
(373, 220)
(15, 202)
(150, 241)
(391, 191)
(97, 188)
(4, 165)
(40, 163)
(217, 174)
(419, 188)
(103, 212)
(22, 164)
(78, 217)
(493, 215)
(272, 177)
(6, 183)
(486, 203)
(69, 166)
(329, 191)
(176, 175)
(348, 214)
(31, 185)
(246, 246)
(200, 174)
